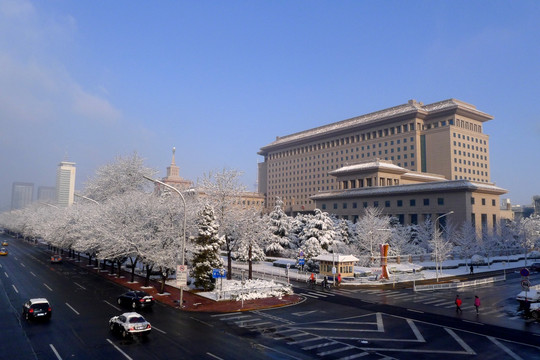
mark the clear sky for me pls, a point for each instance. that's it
(220, 79)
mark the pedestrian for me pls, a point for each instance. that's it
(476, 303)
(325, 282)
(472, 269)
(458, 304)
(338, 279)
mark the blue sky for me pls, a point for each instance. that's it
(219, 79)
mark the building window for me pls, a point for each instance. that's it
(387, 203)
(365, 204)
(344, 205)
(401, 219)
(483, 201)
(440, 201)
(354, 205)
(335, 205)
(414, 219)
(426, 202)
(493, 202)
(472, 201)
(400, 203)
(375, 204)
(324, 206)
(412, 202)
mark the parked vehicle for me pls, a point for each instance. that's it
(530, 296)
(129, 324)
(535, 266)
(56, 258)
(136, 299)
(5, 243)
(38, 308)
(535, 311)
(3, 251)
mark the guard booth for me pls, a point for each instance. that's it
(344, 264)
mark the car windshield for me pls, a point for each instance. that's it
(41, 306)
(136, 319)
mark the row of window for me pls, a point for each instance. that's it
(387, 203)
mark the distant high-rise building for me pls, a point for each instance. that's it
(46, 194)
(21, 195)
(65, 183)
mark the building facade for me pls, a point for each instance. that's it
(411, 197)
(22, 195)
(444, 138)
(46, 194)
(65, 183)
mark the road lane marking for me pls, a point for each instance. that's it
(504, 348)
(415, 330)
(34, 275)
(47, 286)
(119, 350)
(14, 288)
(75, 311)
(472, 322)
(114, 306)
(6, 274)
(214, 356)
(23, 265)
(79, 285)
(416, 311)
(161, 331)
(55, 352)
(460, 341)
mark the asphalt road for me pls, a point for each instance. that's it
(341, 324)
(82, 305)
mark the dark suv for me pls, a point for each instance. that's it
(535, 266)
(136, 299)
(38, 308)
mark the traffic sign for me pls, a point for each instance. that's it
(219, 273)
(525, 284)
(301, 261)
(181, 275)
(525, 272)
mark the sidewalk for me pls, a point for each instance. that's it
(192, 301)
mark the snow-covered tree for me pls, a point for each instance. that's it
(466, 240)
(401, 241)
(206, 250)
(441, 248)
(424, 234)
(251, 241)
(223, 190)
(528, 231)
(278, 224)
(371, 230)
(318, 234)
(124, 174)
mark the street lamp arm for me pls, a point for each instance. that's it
(86, 198)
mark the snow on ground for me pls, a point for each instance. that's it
(247, 290)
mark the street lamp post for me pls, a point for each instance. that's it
(183, 235)
(436, 247)
(87, 198)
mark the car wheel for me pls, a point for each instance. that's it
(535, 315)
(119, 301)
(26, 316)
(134, 305)
(112, 327)
(125, 334)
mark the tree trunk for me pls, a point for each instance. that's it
(250, 265)
(164, 275)
(119, 262)
(147, 277)
(229, 259)
(133, 263)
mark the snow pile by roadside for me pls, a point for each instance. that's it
(250, 290)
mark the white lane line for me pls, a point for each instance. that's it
(34, 275)
(71, 307)
(214, 356)
(415, 330)
(512, 354)
(5, 273)
(416, 311)
(460, 341)
(472, 322)
(79, 285)
(114, 306)
(161, 331)
(23, 265)
(14, 288)
(55, 352)
(47, 286)
(120, 350)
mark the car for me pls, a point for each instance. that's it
(56, 258)
(3, 251)
(37, 308)
(5, 243)
(130, 324)
(535, 266)
(136, 299)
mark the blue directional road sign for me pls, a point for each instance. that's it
(219, 273)
(301, 261)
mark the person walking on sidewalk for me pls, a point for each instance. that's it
(472, 269)
(476, 303)
(458, 304)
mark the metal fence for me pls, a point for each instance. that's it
(457, 284)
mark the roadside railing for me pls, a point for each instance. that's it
(459, 284)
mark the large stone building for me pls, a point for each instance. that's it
(443, 140)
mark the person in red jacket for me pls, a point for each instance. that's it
(338, 279)
(458, 304)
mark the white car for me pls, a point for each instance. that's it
(531, 296)
(129, 324)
